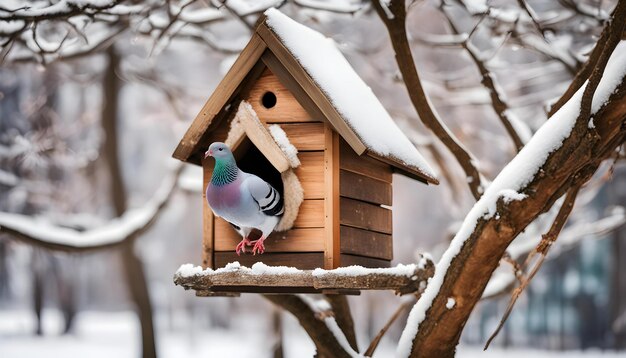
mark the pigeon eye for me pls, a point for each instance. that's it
(220, 149)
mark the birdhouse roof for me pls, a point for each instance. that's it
(316, 72)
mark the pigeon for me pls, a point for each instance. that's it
(244, 200)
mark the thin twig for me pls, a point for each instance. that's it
(374, 344)
(395, 22)
(499, 105)
(542, 248)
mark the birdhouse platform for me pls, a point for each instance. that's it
(295, 113)
(234, 279)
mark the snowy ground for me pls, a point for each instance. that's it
(116, 334)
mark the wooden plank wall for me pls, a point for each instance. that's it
(207, 217)
(366, 226)
(303, 246)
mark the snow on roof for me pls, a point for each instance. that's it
(350, 96)
(513, 178)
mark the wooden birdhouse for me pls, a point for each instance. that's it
(291, 87)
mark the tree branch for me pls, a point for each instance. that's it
(394, 18)
(324, 340)
(489, 82)
(343, 316)
(129, 226)
(468, 264)
(546, 242)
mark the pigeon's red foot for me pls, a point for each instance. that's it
(241, 247)
(259, 248)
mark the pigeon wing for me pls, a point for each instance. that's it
(269, 199)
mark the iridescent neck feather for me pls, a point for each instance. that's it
(224, 172)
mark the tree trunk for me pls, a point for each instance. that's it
(138, 288)
(110, 121)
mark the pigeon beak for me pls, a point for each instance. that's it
(209, 153)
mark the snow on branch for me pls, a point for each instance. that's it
(320, 307)
(402, 278)
(497, 95)
(529, 168)
(393, 16)
(39, 232)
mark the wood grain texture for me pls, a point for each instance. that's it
(311, 174)
(311, 88)
(361, 187)
(305, 136)
(299, 260)
(364, 215)
(262, 139)
(248, 58)
(364, 165)
(207, 217)
(349, 260)
(287, 108)
(274, 64)
(311, 214)
(294, 240)
(366, 243)
(245, 281)
(331, 198)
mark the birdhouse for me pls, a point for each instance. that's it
(295, 113)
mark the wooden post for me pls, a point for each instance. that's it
(207, 218)
(331, 198)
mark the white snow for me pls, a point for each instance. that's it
(509, 195)
(114, 231)
(245, 8)
(476, 6)
(198, 16)
(9, 27)
(259, 268)
(450, 303)
(332, 5)
(352, 98)
(399, 270)
(285, 145)
(188, 270)
(514, 177)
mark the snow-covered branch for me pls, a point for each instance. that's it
(40, 232)
(564, 152)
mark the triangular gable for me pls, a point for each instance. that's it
(253, 129)
(266, 49)
(242, 71)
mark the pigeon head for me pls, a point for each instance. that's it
(218, 150)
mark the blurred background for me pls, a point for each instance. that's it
(93, 102)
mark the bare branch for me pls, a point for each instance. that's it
(542, 249)
(585, 72)
(374, 344)
(343, 316)
(394, 18)
(488, 80)
(466, 267)
(325, 341)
